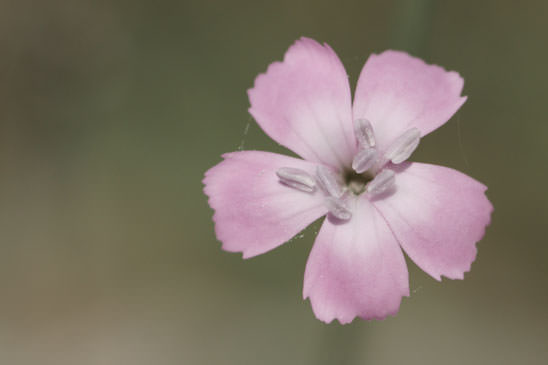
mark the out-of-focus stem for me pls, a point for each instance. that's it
(412, 26)
(346, 345)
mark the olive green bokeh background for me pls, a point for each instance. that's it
(110, 113)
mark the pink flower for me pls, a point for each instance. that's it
(354, 170)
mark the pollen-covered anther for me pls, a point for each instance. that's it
(364, 133)
(382, 182)
(329, 181)
(364, 160)
(403, 146)
(297, 178)
(337, 208)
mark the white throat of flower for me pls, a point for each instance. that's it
(368, 174)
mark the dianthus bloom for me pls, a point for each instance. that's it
(355, 171)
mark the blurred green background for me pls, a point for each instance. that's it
(110, 113)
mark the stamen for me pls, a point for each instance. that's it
(364, 133)
(337, 208)
(382, 182)
(403, 146)
(329, 181)
(297, 178)
(364, 160)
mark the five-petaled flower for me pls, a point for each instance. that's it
(353, 170)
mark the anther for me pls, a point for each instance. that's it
(329, 181)
(296, 178)
(403, 146)
(364, 133)
(337, 208)
(364, 160)
(382, 182)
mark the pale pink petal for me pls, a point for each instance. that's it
(304, 104)
(254, 212)
(396, 92)
(437, 214)
(356, 268)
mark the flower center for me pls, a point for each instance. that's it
(356, 182)
(368, 174)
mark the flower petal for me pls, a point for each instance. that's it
(356, 269)
(254, 212)
(304, 104)
(396, 92)
(438, 214)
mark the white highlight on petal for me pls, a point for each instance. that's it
(329, 181)
(297, 178)
(364, 133)
(364, 160)
(337, 208)
(382, 182)
(403, 146)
